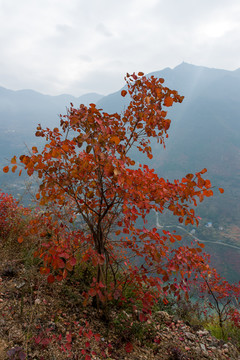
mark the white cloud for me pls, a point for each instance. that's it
(77, 46)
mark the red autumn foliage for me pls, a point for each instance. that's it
(11, 214)
(87, 166)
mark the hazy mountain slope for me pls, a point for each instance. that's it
(205, 129)
(21, 111)
(24, 109)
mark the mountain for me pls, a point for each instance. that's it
(21, 111)
(204, 133)
(26, 108)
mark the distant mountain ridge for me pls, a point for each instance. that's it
(189, 80)
(208, 117)
(30, 107)
(22, 110)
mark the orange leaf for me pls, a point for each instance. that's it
(14, 168)
(221, 190)
(69, 267)
(37, 196)
(88, 149)
(168, 101)
(167, 124)
(20, 239)
(116, 139)
(6, 169)
(44, 270)
(14, 161)
(189, 176)
(123, 93)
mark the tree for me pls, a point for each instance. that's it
(11, 217)
(222, 297)
(86, 166)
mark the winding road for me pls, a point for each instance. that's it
(194, 237)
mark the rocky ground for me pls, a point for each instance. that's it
(47, 322)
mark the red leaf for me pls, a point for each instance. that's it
(51, 279)
(73, 261)
(123, 93)
(69, 338)
(142, 317)
(221, 190)
(97, 337)
(129, 347)
(92, 292)
(165, 278)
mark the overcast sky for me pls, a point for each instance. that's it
(79, 46)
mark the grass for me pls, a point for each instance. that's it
(231, 332)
